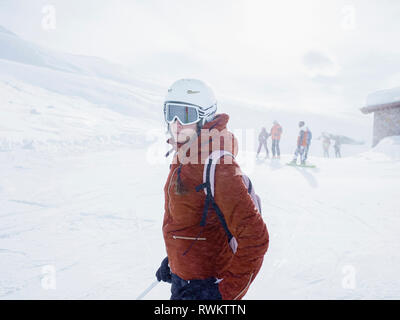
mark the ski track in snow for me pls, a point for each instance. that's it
(96, 218)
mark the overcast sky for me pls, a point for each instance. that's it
(309, 54)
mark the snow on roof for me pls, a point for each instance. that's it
(383, 99)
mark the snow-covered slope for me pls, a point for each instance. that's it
(13, 48)
(53, 100)
(89, 78)
(95, 220)
(39, 119)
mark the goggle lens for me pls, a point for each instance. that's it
(184, 113)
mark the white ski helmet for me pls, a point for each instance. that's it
(194, 92)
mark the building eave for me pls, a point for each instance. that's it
(380, 107)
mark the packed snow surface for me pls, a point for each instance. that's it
(95, 218)
(82, 172)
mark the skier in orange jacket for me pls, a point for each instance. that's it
(276, 132)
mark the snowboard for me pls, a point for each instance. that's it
(301, 165)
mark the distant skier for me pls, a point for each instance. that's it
(308, 138)
(262, 140)
(303, 144)
(337, 146)
(326, 143)
(217, 253)
(276, 132)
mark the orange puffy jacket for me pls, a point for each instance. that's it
(302, 139)
(276, 132)
(210, 255)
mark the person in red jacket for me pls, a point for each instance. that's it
(200, 263)
(303, 144)
(276, 133)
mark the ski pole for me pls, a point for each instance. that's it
(140, 297)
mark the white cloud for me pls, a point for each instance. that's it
(318, 63)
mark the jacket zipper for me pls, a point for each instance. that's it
(245, 288)
(169, 207)
(169, 186)
(188, 238)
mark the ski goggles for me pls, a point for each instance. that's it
(184, 112)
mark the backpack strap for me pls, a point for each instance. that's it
(208, 187)
(212, 161)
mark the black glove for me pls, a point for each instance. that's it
(164, 272)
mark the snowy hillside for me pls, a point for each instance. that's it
(13, 48)
(97, 81)
(53, 101)
(34, 118)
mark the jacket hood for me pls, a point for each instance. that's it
(214, 135)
